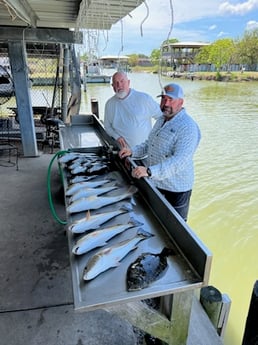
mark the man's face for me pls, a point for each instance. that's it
(121, 84)
(170, 106)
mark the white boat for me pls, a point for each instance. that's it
(93, 73)
(97, 78)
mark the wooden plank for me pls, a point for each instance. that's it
(40, 35)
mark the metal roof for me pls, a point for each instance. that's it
(65, 14)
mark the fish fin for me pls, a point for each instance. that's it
(143, 233)
(88, 215)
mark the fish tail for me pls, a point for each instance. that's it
(135, 222)
(143, 233)
(126, 207)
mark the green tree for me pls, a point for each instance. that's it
(155, 56)
(203, 56)
(133, 60)
(221, 53)
(247, 49)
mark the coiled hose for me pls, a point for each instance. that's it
(50, 200)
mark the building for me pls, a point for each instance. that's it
(180, 55)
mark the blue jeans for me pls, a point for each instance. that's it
(179, 200)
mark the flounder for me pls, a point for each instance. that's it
(147, 268)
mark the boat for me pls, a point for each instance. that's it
(97, 78)
(93, 73)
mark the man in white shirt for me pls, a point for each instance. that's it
(128, 114)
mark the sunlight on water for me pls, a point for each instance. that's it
(224, 204)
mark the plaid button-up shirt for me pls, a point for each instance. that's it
(170, 148)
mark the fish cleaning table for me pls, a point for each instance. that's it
(188, 269)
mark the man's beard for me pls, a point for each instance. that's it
(121, 94)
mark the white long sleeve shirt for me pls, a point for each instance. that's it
(131, 117)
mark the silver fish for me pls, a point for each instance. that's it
(80, 162)
(94, 202)
(80, 169)
(147, 268)
(99, 238)
(111, 256)
(81, 178)
(86, 192)
(92, 222)
(85, 184)
(69, 157)
(97, 168)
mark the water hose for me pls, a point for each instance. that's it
(50, 200)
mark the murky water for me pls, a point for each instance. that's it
(224, 206)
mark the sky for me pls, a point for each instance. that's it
(186, 20)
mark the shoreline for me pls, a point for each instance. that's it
(234, 76)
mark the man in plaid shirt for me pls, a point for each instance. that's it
(170, 148)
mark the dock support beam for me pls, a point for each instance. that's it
(19, 67)
(171, 328)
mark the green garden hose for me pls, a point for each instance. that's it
(58, 154)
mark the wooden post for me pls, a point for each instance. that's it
(217, 307)
(251, 329)
(95, 107)
(211, 300)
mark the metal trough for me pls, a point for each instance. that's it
(188, 270)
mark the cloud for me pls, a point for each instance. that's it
(213, 27)
(239, 8)
(251, 25)
(221, 34)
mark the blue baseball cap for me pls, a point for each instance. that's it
(173, 91)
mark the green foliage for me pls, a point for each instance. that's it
(133, 60)
(219, 53)
(247, 49)
(155, 56)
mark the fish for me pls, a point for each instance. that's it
(81, 178)
(69, 157)
(72, 189)
(92, 222)
(86, 192)
(79, 169)
(111, 256)
(99, 238)
(95, 202)
(147, 268)
(80, 162)
(97, 168)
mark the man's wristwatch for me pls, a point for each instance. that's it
(149, 172)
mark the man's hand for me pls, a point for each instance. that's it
(125, 152)
(139, 172)
(122, 142)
